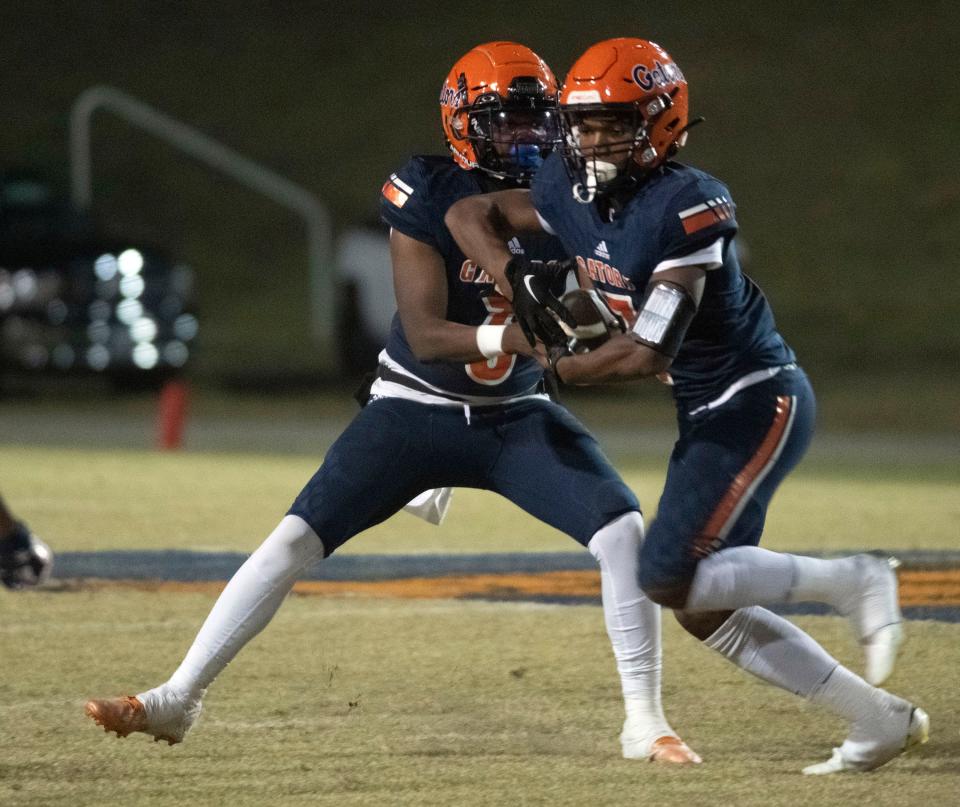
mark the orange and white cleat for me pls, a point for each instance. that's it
(673, 751)
(122, 715)
(160, 714)
(639, 740)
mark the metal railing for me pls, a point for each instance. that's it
(217, 156)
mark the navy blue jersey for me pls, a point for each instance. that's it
(678, 211)
(414, 202)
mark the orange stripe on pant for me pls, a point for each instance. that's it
(710, 537)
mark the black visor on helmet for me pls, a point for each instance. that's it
(512, 136)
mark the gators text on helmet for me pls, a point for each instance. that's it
(498, 108)
(635, 90)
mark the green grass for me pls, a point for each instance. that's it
(365, 702)
(97, 500)
(352, 701)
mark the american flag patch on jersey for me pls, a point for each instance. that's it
(710, 212)
(396, 191)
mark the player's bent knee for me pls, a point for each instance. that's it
(662, 583)
(701, 624)
(669, 595)
(619, 538)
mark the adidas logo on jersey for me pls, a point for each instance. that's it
(601, 250)
(514, 246)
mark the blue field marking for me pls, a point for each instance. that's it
(190, 567)
(184, 566)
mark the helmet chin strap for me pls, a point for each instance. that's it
(584, 195)
(597, 172)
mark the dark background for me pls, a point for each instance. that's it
(834, 124)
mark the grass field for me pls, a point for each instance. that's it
(356, 701)
(369, 702)
(120, 499)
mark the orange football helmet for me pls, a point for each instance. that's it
(637, 85)
(498, 109)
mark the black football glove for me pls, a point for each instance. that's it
(536, 306)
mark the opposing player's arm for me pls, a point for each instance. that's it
(482, 225)
(420, 281)
(670, 302)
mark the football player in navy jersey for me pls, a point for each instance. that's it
(655, 238)
(457, 401)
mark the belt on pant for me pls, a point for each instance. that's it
(385, 373)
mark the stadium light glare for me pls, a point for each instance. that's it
(185, 327)
(143, 329)
(132, 287)
(146, 355)
(63, 356)
(105, 267)
(57, 311)
(98, 357)
(98, 331)
(130, 262)
(129, 311)
(25, 284)
(7, 295)
(175, 353)
(107, 289)
(99, 310)
(110, 319)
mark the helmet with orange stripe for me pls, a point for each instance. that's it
(498, 108)
(624, 109)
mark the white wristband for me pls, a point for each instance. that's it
(490, 340)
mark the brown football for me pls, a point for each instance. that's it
(594, 322)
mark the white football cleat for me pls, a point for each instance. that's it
(159, 713)
(874, 614)
(857, 757)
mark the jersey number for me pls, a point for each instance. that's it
(496, 370)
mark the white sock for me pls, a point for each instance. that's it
(632, 621)
(748, 575)
(774, 650)
(247, 604)
(845, 693)
(819, 580)
(778, 652)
